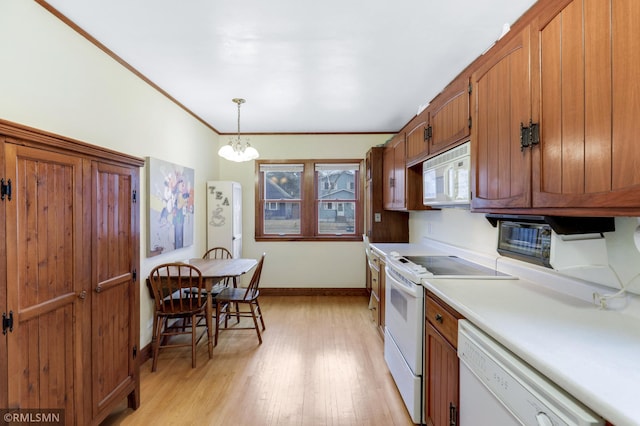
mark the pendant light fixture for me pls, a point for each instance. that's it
(238, 150)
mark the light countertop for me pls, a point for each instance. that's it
(592, 353)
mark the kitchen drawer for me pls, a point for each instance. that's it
(374, 263)
(375, 282)
(443, 318)
(374, 308)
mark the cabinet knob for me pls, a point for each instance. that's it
(439, 318)
(82, 295)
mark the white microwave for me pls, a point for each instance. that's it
(446, 178)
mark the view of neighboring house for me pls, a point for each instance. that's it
(337, 192)
(336, 200)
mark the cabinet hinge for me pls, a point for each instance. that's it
(7, 322)
(470, 121)
(5, 189)
(428, 133)
(134, 275)
(529, 135)
(453, 414)
(134, 196)
(534, 133)
(470, 89)
(135, 351)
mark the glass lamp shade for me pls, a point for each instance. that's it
(238, 152)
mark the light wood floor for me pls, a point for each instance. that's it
(321, 363)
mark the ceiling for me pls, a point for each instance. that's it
(331, 66)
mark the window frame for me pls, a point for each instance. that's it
(309, 202)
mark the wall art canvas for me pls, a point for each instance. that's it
(171, 208)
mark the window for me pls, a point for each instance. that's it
(308, 200)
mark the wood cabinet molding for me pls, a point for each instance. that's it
(29, 136)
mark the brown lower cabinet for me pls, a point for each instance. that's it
(441, 375)
(70, 295)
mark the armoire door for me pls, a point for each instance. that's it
(46, 274)
(114, 299)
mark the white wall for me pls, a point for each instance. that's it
(472, 231)
(304, 263)
(53, 79)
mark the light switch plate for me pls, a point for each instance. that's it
(377, 217)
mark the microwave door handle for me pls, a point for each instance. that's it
(447, 182)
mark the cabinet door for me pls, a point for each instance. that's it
(393, 166)
(46, 274)
(417, 142)
(114, 298)
(3, 284)
(589, 104)
(441, 396)
(387, 177)
(399, 180)
(449, 116)
(501, 104)
(381, 225)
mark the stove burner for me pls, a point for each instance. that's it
(453, 266)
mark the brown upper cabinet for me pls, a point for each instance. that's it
(442, 125)
(417, 138)
(449, 116)
(553, 109)
(402, 188)
(501, 102)
(393, 172)
(589, 102)
(381, 226)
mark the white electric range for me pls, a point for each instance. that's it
(406, 268)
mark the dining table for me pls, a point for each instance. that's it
(214, 272)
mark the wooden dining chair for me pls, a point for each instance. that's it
(180, 308)
(241, 297)
(217, 253)
(221, 253)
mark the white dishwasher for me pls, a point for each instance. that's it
(498, 388)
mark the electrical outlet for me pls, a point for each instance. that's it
(377, 217)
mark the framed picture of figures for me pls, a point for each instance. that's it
(170, 205)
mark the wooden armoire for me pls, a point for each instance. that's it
(69, 290)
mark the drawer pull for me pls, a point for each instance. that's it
(439, 318)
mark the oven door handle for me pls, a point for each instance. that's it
(414, 291)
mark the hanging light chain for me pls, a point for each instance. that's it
(237, 149)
